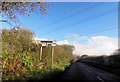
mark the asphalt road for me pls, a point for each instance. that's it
(80, 71)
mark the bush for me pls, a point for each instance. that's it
(21, 57)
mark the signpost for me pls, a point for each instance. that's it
(47, 43)
(40, 52)
(52, 55)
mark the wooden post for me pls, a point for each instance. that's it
(52, 56)
(40, 53)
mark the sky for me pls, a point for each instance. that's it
(89, 26)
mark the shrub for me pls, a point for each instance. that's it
(21, 57)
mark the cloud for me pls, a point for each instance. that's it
(36, 38)
(62, 42)
(84, 49)
(76, 36)
(106, 45)
(95, 46)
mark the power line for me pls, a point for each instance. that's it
(112, 26)
(94, 32)
(85, 20)
(71, 15)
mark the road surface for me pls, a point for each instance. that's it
(80, 71)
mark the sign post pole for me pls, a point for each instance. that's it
(40, 53)
(52, 56)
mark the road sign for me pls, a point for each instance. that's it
(47, 43)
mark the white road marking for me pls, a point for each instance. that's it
(99, 78)
(88, 70)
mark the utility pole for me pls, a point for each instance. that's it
(40, 53)
(52, 56)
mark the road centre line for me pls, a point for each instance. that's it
(99, 78)
(88, 70)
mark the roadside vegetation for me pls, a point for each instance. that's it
(12, 10)
(108, 63)
(21, 57)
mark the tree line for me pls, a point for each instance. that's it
(21, 57)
